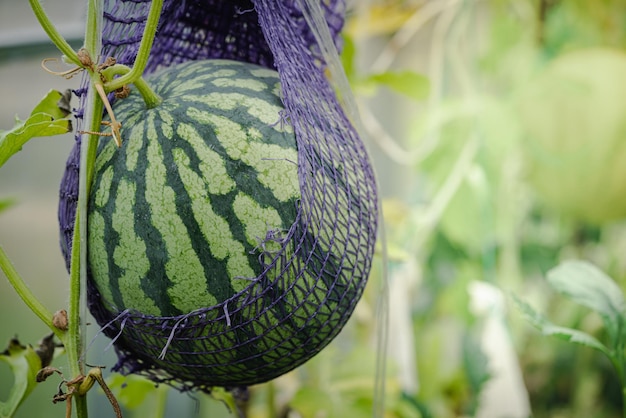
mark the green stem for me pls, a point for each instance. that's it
(150, 98)
(80, 401)
(73, 345)
(144, 49)
(161, 401)
(271, 399)
(78, 270)
(93, 33)
(620, 365)
(27, 295)
(53, 33)
(618, 360)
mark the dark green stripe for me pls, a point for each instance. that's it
(156, 279)
(214, 271)
(184, 268)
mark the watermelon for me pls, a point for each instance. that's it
(200, 268)
(189, 198)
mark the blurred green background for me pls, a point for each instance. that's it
(497, 129)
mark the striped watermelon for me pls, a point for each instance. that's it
(202, 186)
(206, 267)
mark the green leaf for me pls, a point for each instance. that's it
(309, 401)
(409, 83)
(476, 367)
(24, 363)
(225, 396)
(130, 391)
(347, 56)
(51, 105)
(46, 119)
(587, 285)
(548, 328)
(6, 203)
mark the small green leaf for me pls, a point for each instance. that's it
(347, 56)
(309, 401)
(6, 203)
(130, 391)
(584, 283)
(409, 83)
(548, 328)
(225, 396)
(46, 119)
(476, 366)
(24, 363)
(51, 105)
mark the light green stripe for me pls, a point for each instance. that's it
(194, 69)
(193, 84)
(134, 117)
(105, 155)
(199, 82)
(245, 83)
(230, 134)
(276, 166)
(215, 229)
(216, 100)
(104, 187)
(277, 90)
(134, 143)
(268, 114)
(167, 124)
(211, 164)
(130, 253)
(183, 268)
(256, 219)
(98, 256)
(264, 73)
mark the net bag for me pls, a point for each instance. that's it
(306, 293)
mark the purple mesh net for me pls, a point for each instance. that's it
(302, 301)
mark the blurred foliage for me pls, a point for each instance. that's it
(6, 203)
(512, 165)
(24, 363)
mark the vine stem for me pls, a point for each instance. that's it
(27, 295)
(73, 338)
(53, 33)
(78, 269)
(143, 53)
